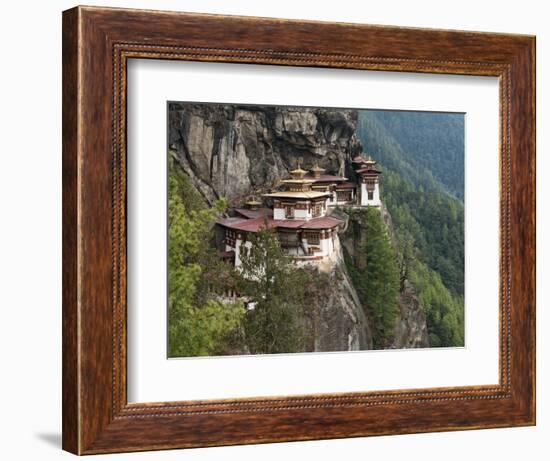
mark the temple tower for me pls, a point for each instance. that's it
(368, 179)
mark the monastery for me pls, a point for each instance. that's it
(300, 212)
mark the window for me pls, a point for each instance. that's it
(289, 212)
(344, 196)
(317, 210)
(288, 239)
(370, 194)
(312, 238)
(230, 238)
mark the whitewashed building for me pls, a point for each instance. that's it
(299, 212)
(368, 175)
(299, 216)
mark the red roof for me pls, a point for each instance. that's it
(229, 222)
(368, 171)
(246, 225)
(359, 159)
(251, 214)
(326, 222)
(326, 178)
(254, 225)
(346, 185)
(289, 223)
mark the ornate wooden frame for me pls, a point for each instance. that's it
(97, 43)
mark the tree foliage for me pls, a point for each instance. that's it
(198, 323)
(277, 290)
(426, 148)
(377, 284)
(422, 187)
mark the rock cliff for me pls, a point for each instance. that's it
(411, 330)
(231, 151)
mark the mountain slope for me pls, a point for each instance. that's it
(424, 147)
(428, 219)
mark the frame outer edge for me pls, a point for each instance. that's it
(70, 255)
(90, 420)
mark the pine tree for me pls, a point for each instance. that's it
(378, 283)
(382, 277)
(197, 322)
(277, 290)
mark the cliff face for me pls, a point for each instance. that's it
(339, 321)
(411, 330)
(231, 151)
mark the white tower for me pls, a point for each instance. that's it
(368, 175)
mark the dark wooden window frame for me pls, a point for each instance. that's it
(97, 44)
(313, 238)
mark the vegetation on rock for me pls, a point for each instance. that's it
(198, 323)
(377, 283)
(428, 217)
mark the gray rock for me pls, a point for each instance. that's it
(232, 151)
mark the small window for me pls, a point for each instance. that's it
(317, 210)
(371, 194)
(289, 212)
(313, 238)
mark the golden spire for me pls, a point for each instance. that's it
(317, 170)
(252, 203)
(298, 173)
(370, 161)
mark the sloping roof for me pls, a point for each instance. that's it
(327, 178)
(359, 159)
(289, 223)
(346, 185)
(254, 225)
(369, 170)
(229, 222)
(308, 195)
(326, 222)
(246, 225)
(252, 214)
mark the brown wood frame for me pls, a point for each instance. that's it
(97, 43)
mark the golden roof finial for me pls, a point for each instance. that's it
(298, 173)
(317, 171)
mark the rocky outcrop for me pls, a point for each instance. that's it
(339, 321)
(410, 329)
(232, 151)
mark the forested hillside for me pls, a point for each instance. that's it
(426, 147)
(427, 215)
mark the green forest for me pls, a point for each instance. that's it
(377, 283)
(422, 189)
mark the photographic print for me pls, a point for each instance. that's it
(313, 229)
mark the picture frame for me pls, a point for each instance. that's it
(97, 44)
